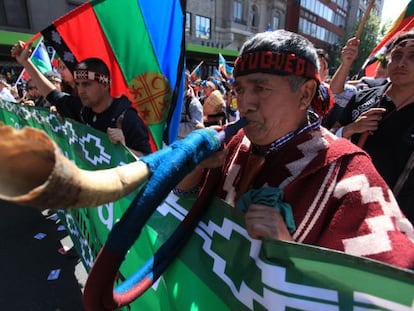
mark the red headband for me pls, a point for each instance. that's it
(278, 63)
(91, 75)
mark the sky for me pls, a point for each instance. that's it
(392, 9)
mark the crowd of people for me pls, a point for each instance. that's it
(335, 156)
(207, 103)
(330, 192)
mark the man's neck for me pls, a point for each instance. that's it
(103, 105)
(401, 95)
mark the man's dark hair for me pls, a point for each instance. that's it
(283, 41)
(401, 37)
(53, 76)
(93, 64)
(322, 53)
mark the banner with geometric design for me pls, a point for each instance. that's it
(221, 267)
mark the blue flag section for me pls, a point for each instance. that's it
(170, 52)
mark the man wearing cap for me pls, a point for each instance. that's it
(293, 179)
(94, 105)
(5, 93)
(387, 114)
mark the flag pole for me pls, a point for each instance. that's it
(364, 136)
(193, 73)
(197, 67)
(364, 19)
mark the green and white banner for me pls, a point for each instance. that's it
(221, 267)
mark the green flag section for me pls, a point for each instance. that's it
(221, 267)
(40, 58)
(142, 42)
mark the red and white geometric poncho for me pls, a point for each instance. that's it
(339, 200)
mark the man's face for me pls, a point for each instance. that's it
(32, 91)
(401, 66)
(323, 68)
(91, 92)
(208, 90)
(270, 106)
(65, 72)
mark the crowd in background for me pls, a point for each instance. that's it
(376, 113)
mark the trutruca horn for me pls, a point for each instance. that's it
(34, 172)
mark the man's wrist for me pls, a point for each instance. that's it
(346, 133)
(339, 131)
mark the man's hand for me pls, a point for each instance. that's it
(190, 92)
(193, 178)
(21, 52)
(350, 51)
(366, 122)
(216, 160)
(28, 102)
(266, 222)
(115, 135)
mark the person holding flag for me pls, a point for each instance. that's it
(403, 23)
(342, 91)
(384, 117)
(94, 106)
(40, 59)
(195, 75)
(293, 179)
(224, 69)
(192, 110)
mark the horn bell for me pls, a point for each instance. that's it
(34, 172)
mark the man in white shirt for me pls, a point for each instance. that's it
(5, 91)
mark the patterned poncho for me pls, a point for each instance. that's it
(339, 200)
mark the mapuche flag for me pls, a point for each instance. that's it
(403, 23)
(225, 70)
(40, 58)
(195, 75)
(142, 43)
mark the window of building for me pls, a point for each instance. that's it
(253, 16)
(187, 22)
(73, 4)
(360, 13)
(276, 20)
(309, 28)
(238, 11)
(343, 4)
(202, 27)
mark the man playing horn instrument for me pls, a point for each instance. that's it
(94, 105)
(294, 179)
